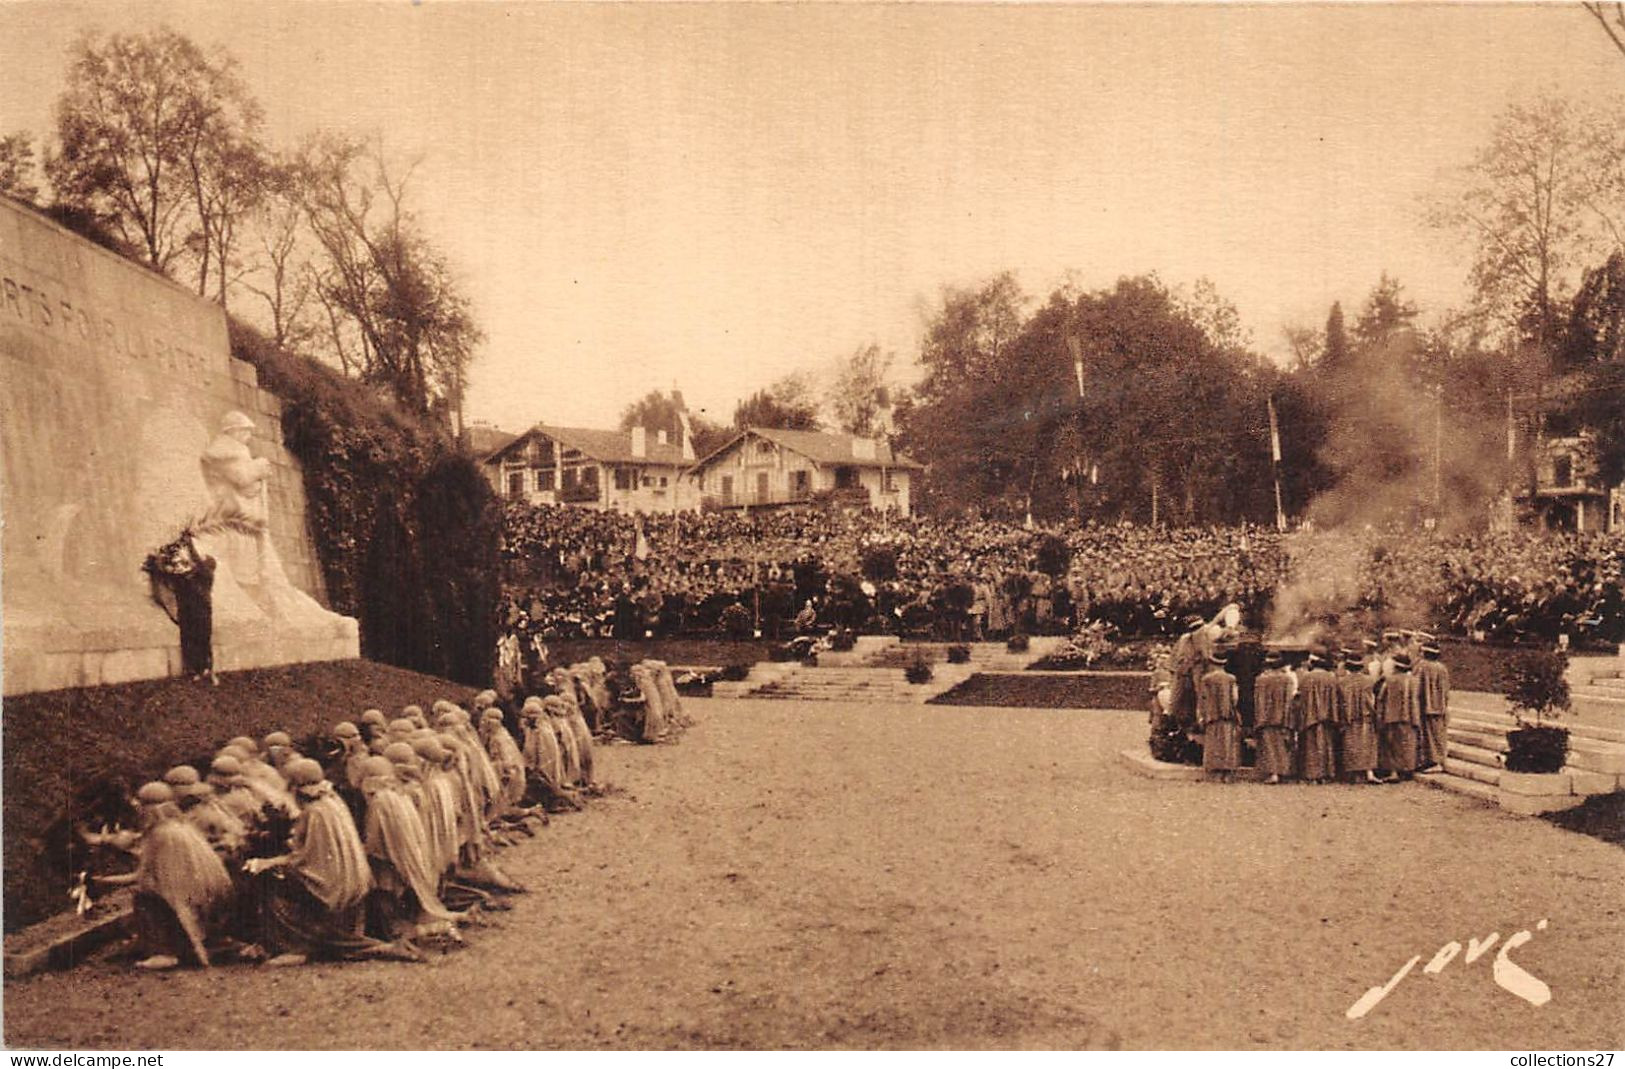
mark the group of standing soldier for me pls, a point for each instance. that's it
(1376, 714)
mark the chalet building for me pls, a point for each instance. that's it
(640, 470)
(1568, 494)
(759, 466)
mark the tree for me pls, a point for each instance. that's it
(658, 410)
(1523, 204)
(653, 409)
(280, 273)
(397, 314)
(153, 137)
(859, 390)
(228, 171)
(968, 332)
(1173, 422)
(1307, 345)
(786, 405)
(17, 166)
(1336, 351)
(1593, 353)
(1612, 19)
(1218, 317)
(1385, 315)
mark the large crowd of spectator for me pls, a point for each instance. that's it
(581, 573)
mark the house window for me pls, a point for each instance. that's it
(516, 484)
(662, 482)
(727, 489)
(888, 481)
(761, 486)
(1563, 471)
(623, 478)
(800, 482)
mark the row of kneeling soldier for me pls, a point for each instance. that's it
(1376, 716)
(270, 856)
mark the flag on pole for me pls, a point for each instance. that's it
(1275, 433)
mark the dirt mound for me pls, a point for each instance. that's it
(73, 755)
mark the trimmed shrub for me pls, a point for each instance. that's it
(1537, 748)
(959, 654)
(1018, 643)
(843, 640)
(736, 621)
(918, 671)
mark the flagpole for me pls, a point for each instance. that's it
(1275, 463)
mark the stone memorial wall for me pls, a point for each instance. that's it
(114, 381)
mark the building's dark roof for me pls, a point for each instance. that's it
(610, 447)
(821, 447)
(483, 440)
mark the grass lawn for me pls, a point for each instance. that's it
(1033, 691)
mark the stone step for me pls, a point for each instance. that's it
(1473, 770)
(1448, 781)
(1475, 755)
(1495, 743)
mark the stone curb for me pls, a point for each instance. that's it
(1145, 765)
(60, 942)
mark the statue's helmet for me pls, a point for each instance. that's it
(236, 421)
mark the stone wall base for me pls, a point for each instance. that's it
(156, 656)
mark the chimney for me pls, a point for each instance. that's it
(639, 443)
(863, 448)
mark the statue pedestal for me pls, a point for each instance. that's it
(53, 649)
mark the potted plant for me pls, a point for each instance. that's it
(959, 654)
(1536, 687)
(918, 670)
(843, 640)
(736, 621)
(1017, 643)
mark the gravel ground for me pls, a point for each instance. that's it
(819, 875)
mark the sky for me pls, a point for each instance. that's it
(712, 196)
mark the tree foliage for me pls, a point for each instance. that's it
(398, 316)
(786, 405)
(1173, 409)
(160, 140)
(859, 391)
(17, 166)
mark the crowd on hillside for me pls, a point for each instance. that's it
(580, 573)
(372, 839)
